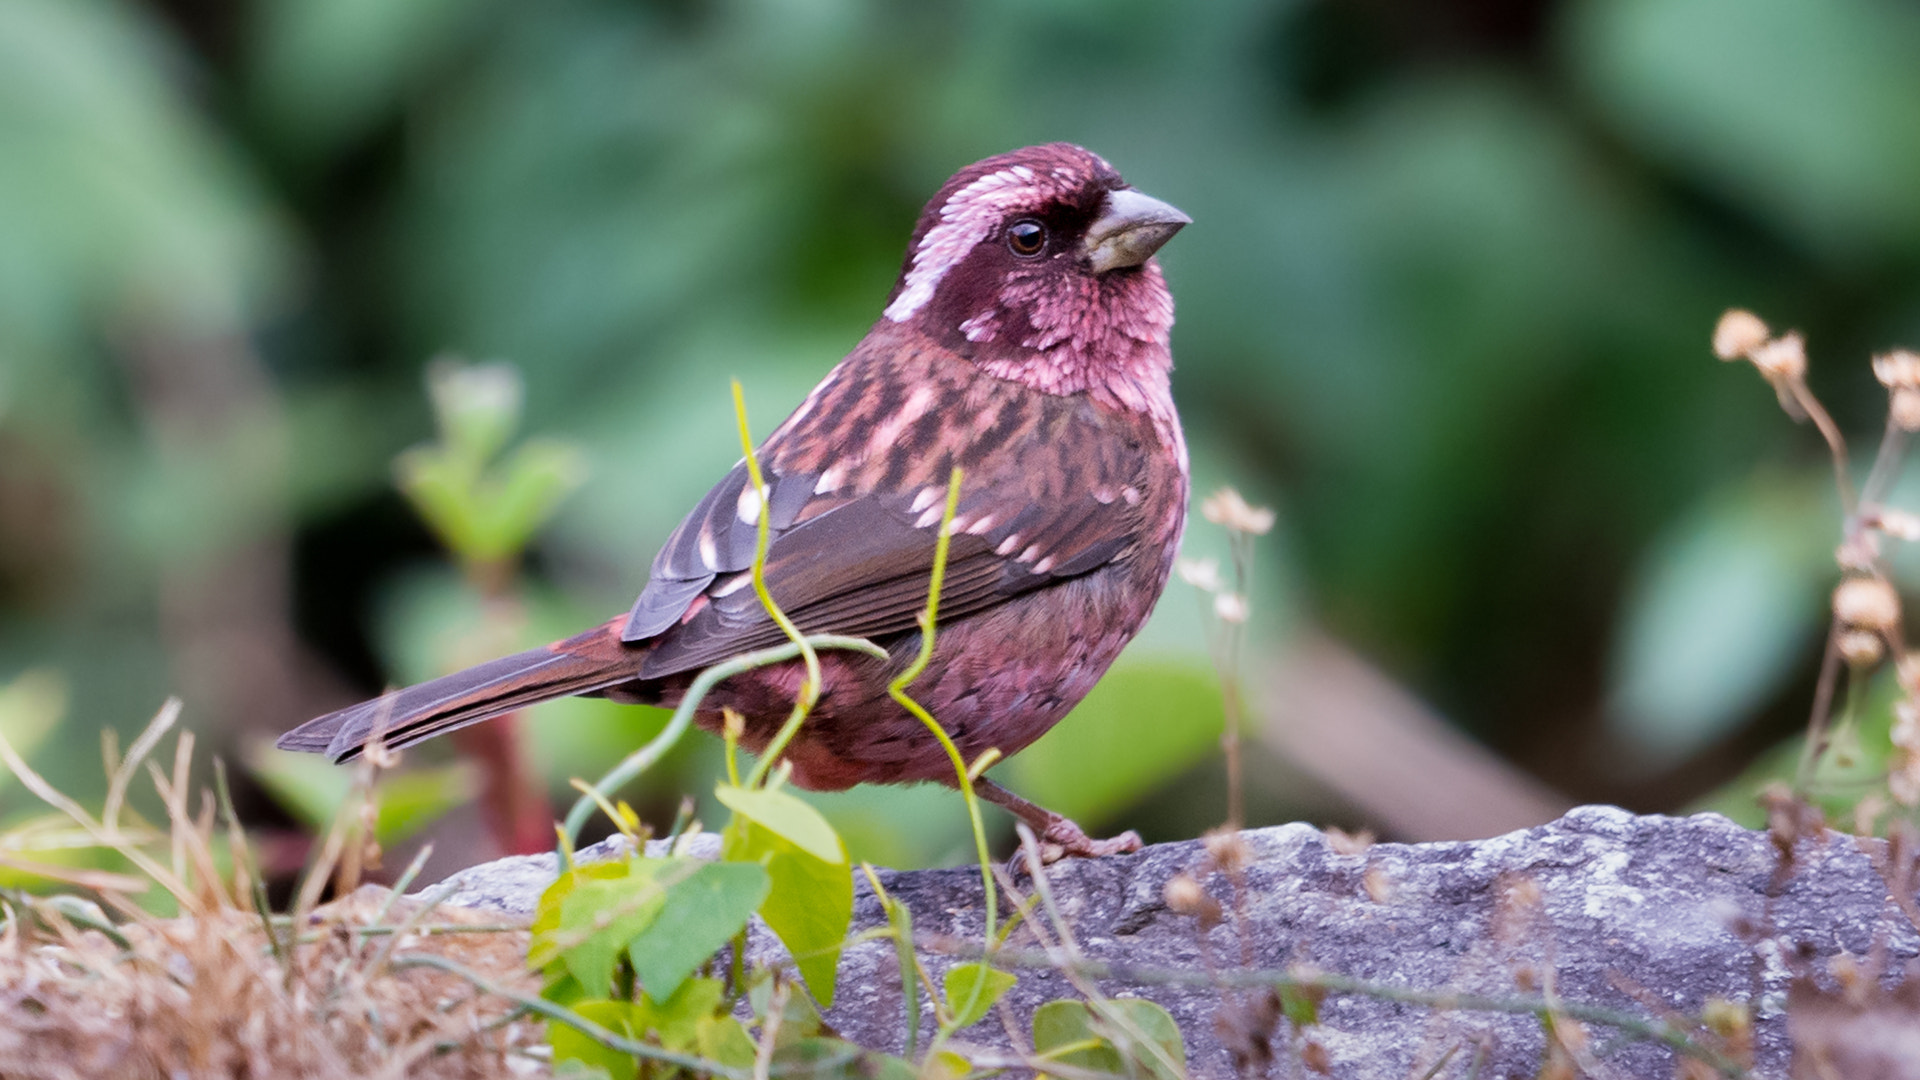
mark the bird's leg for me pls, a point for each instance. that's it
(1059, 836)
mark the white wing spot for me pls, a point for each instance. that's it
(917, 405)
(709, 554)
(749, 505)
(1103, 495)
(1131, 494)
(1008, 546)
(932, 516)
(926, 498)
(1032, 553)
(829, 480)
(732, 585)
(981, 527)
(1043, 565)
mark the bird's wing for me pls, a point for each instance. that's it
(1051, 496)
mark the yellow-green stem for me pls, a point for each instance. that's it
(809, 687)
(929, 622)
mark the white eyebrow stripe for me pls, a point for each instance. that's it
(965, 220)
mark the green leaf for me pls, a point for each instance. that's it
(798, 1019)
(675, 1022)
(570, 1044)
(788, 817)
(810, 903)
(313, 789)
(1722, 606)
(521, 494)
(410, 801)
(972, 988)
(1301, 1007)
(1062, 1023)
(900, 919)
(701, 913)
(1801, 112)
(723, 1039)
(823, 1058)
(546, 914)
(606, 916)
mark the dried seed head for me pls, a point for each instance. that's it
(1866, 814)
(1903, 777)
(1183, 895)
(1228, 850)
(1858, 553)
(1898, 370)
(1905, 408)
(1866, 603)
(1738, 333)
(1314, 1056)
(1202, 574)
(1898, 524)
(1226, 507)
(1782, 359)
(1847, 971)
(1860, 648)
(1346, 843)
(1906, 725)
(1378, 885)
(1230, 607)
(380, 756)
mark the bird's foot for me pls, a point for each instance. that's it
(1063, 838)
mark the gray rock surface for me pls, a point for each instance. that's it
(1618, 910)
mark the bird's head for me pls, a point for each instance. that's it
(1039, 265)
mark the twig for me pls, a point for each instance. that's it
(564, 1015)
(1289, 979)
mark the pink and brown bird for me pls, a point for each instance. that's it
(1025, 342)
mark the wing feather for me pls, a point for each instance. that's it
(851, 535)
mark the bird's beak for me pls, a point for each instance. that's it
(1130, 228)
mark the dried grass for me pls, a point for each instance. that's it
(225, 989)
(205, 996)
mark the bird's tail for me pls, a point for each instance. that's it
(587, 662)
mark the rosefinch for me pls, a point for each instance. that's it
(1026, 342)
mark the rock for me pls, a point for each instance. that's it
(1600, 908)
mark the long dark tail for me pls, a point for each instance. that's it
(591, 661)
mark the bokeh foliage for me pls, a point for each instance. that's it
(1445, 304)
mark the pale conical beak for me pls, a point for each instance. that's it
(1130, 229)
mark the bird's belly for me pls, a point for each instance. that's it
(999, 679)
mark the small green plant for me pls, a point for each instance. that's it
(482, 501)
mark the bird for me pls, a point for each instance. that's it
(1026, 342)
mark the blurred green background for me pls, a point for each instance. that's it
(1445, 305)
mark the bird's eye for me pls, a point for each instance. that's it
(1026, 238)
